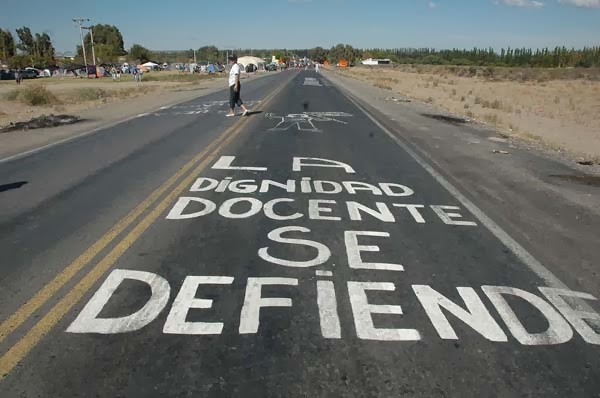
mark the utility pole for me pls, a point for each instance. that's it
(92, 40)
(80, 22)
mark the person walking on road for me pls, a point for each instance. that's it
(235, 88)
(317, 67)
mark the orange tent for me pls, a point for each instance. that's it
(326, 63)
(343, 63)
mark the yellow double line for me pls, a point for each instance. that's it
(25, 344)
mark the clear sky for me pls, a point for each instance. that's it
(172, 24)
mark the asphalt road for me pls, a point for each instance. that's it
(304, 251)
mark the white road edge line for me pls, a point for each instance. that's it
(522, 254)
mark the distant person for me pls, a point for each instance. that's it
(18, 77)
(317, 67)
(113, 73)
(235, 87)
(140, 74)
(118, 73)
(134, 72)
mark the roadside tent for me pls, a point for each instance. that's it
(257, 62)
(150, 65)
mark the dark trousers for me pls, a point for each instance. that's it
(234, 97)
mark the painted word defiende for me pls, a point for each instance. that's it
(561, 318)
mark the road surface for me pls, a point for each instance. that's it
(305, 251)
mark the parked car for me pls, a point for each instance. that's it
(7, 75)
(30, 74)
(270, 67)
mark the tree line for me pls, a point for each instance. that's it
(30, 49)
(558, 57)
(36, 49)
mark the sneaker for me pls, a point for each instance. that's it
(230, 114)
(245, 112)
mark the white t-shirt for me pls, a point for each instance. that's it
(235, 70)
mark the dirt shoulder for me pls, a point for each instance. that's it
(99, 103)
(559, 108)
(546, 201)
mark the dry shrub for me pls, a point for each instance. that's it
(12, 95)
(491, 118)
(383, 86)
(35, 95)
(91, 94)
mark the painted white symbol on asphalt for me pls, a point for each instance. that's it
(311, 81)
(305, 121)
(197, 109)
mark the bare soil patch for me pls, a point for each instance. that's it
(560, 107)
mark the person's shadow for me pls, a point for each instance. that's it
(12, 185)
